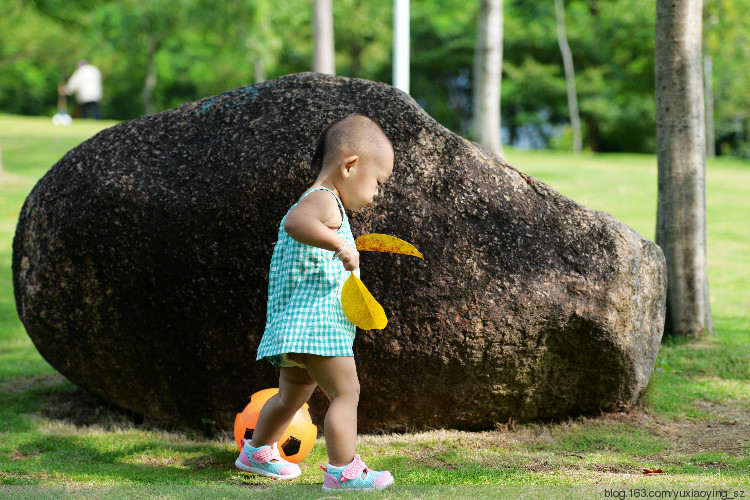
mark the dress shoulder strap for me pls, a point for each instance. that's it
(341, 205)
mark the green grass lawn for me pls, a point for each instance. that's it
(695, 424)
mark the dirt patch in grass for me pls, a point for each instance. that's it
(155, 461)
(726, 431)
(535, 447)
(614, 469)
(20, 456)
(723, 412)
(195, 463)
(205, 462)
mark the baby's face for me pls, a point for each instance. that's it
(361, 187)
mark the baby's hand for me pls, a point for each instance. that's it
(349, 256)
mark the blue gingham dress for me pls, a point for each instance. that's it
(304, 312)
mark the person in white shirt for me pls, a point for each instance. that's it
(86, 84)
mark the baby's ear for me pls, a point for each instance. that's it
(348, 163)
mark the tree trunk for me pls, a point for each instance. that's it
(488, 62)
(681, 149)
(708, 77)
(323, 51)
(150, 84)
(570, 76)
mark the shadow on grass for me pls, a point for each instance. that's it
(113, 459)
(65, 432)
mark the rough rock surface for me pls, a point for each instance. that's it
(140, 268)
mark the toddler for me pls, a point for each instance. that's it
(307, 334)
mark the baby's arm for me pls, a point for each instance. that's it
(306, 223)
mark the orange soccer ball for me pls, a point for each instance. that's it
(299, 437)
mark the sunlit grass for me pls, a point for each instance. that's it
(625, 185)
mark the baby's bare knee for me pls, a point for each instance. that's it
(347, 392)
(355, 388)
(295, 395)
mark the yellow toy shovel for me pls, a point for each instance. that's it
(359, 305)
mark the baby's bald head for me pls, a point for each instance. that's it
(354, 135)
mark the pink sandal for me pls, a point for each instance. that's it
(266, 461)
(355, 476)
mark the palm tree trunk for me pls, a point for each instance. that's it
(150, 84)
(681, 149)
(708, 77)
(570, 77)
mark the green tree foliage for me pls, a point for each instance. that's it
(188, 49)
(442, 47)
(726, 38)
(363, 32)
(33, 51)
(612, 46)
(145, 31)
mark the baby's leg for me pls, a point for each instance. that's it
(295, 388)
(337, 376)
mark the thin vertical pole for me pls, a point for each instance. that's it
(401, 44)
(324, 57)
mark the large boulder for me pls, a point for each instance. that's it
(140, 267)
